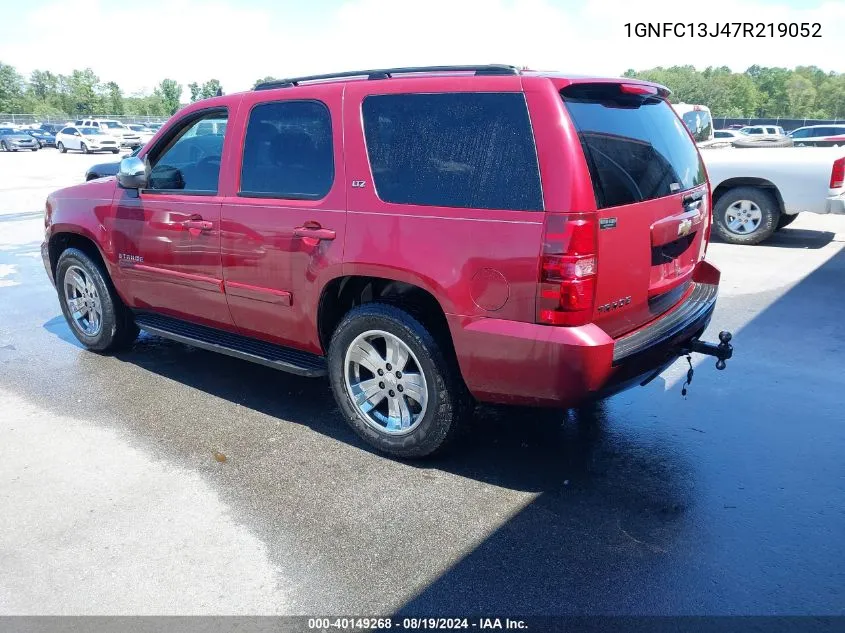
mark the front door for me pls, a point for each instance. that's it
(283, 219)
(168, 235)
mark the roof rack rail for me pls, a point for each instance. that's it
(387, 73)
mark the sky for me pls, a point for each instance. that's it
(138, 43)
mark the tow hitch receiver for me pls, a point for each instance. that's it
(723, 351)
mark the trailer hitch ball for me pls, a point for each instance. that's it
(724, 345)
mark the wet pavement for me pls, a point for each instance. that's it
(172, 480)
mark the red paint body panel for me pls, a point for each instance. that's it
(255, 272)
(260, 248)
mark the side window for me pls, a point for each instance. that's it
(288, 151)
(473, 150)
(804, 133)
(190, 162)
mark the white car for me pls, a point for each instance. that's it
(756, 193)
(819, 136)
(722, 138)
(142, 131)
(127, 137)
(86, 140)
(762, 130)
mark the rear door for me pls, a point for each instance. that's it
(651, 194)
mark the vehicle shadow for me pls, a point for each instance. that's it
(800, 238)
(794, 238)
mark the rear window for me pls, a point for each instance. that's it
(699, 124)
(635, 146)
(466, 150)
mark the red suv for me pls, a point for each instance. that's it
(426, 237)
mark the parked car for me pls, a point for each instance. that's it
(45, 139)
(144, 133)
(762, 130)
(757, 136)
(86, 140)
(819, 136)
(12, 140)
(757, 193)
(101, 170)
(127, 137)
(722, 138)
(51, 128)
(390, 253)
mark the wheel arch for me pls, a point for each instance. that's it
(60, 241)
(344, 292)
(747, 181)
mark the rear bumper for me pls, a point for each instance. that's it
(835, 205)
(524, 363)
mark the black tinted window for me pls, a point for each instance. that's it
(635, 146)
(190, 161)
(288, 151)
(804, 133)
(473, 150)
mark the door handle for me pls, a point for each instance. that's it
(198, 225)
(314, 231)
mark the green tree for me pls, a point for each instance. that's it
(11, 89)
(801, 95)
(210, 89)
(196, 91)
(171, 93)
(265, 79)
(114, 99)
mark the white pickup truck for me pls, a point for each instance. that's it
(759, 191)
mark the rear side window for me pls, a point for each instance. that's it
(467, 150)
(288, 151)
(635, 146)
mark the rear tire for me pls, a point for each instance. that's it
(432, 373)
(4, 146)
(786, 220)
(35, 149)
(115, 151)
(746, 215)
(116, 328)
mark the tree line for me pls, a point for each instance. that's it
(760, 91)
(803, 92)
(80, 93)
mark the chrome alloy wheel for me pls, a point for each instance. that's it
(385, 382)
(83, 301)
(743, 217)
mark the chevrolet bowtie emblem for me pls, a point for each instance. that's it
(684, 227)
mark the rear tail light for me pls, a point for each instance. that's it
(568, 265)
(837, 174)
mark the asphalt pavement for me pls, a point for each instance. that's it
(170, 480)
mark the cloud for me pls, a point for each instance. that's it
(194, 40)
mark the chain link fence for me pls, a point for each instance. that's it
(28, 119)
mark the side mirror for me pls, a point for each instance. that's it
(132, 173)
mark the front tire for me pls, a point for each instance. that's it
(84, 148)
(115, 151)
(4, 146)
(397, 386)
(746, 215)
(60, 146)
(94, 312)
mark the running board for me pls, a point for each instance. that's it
(237, 345)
